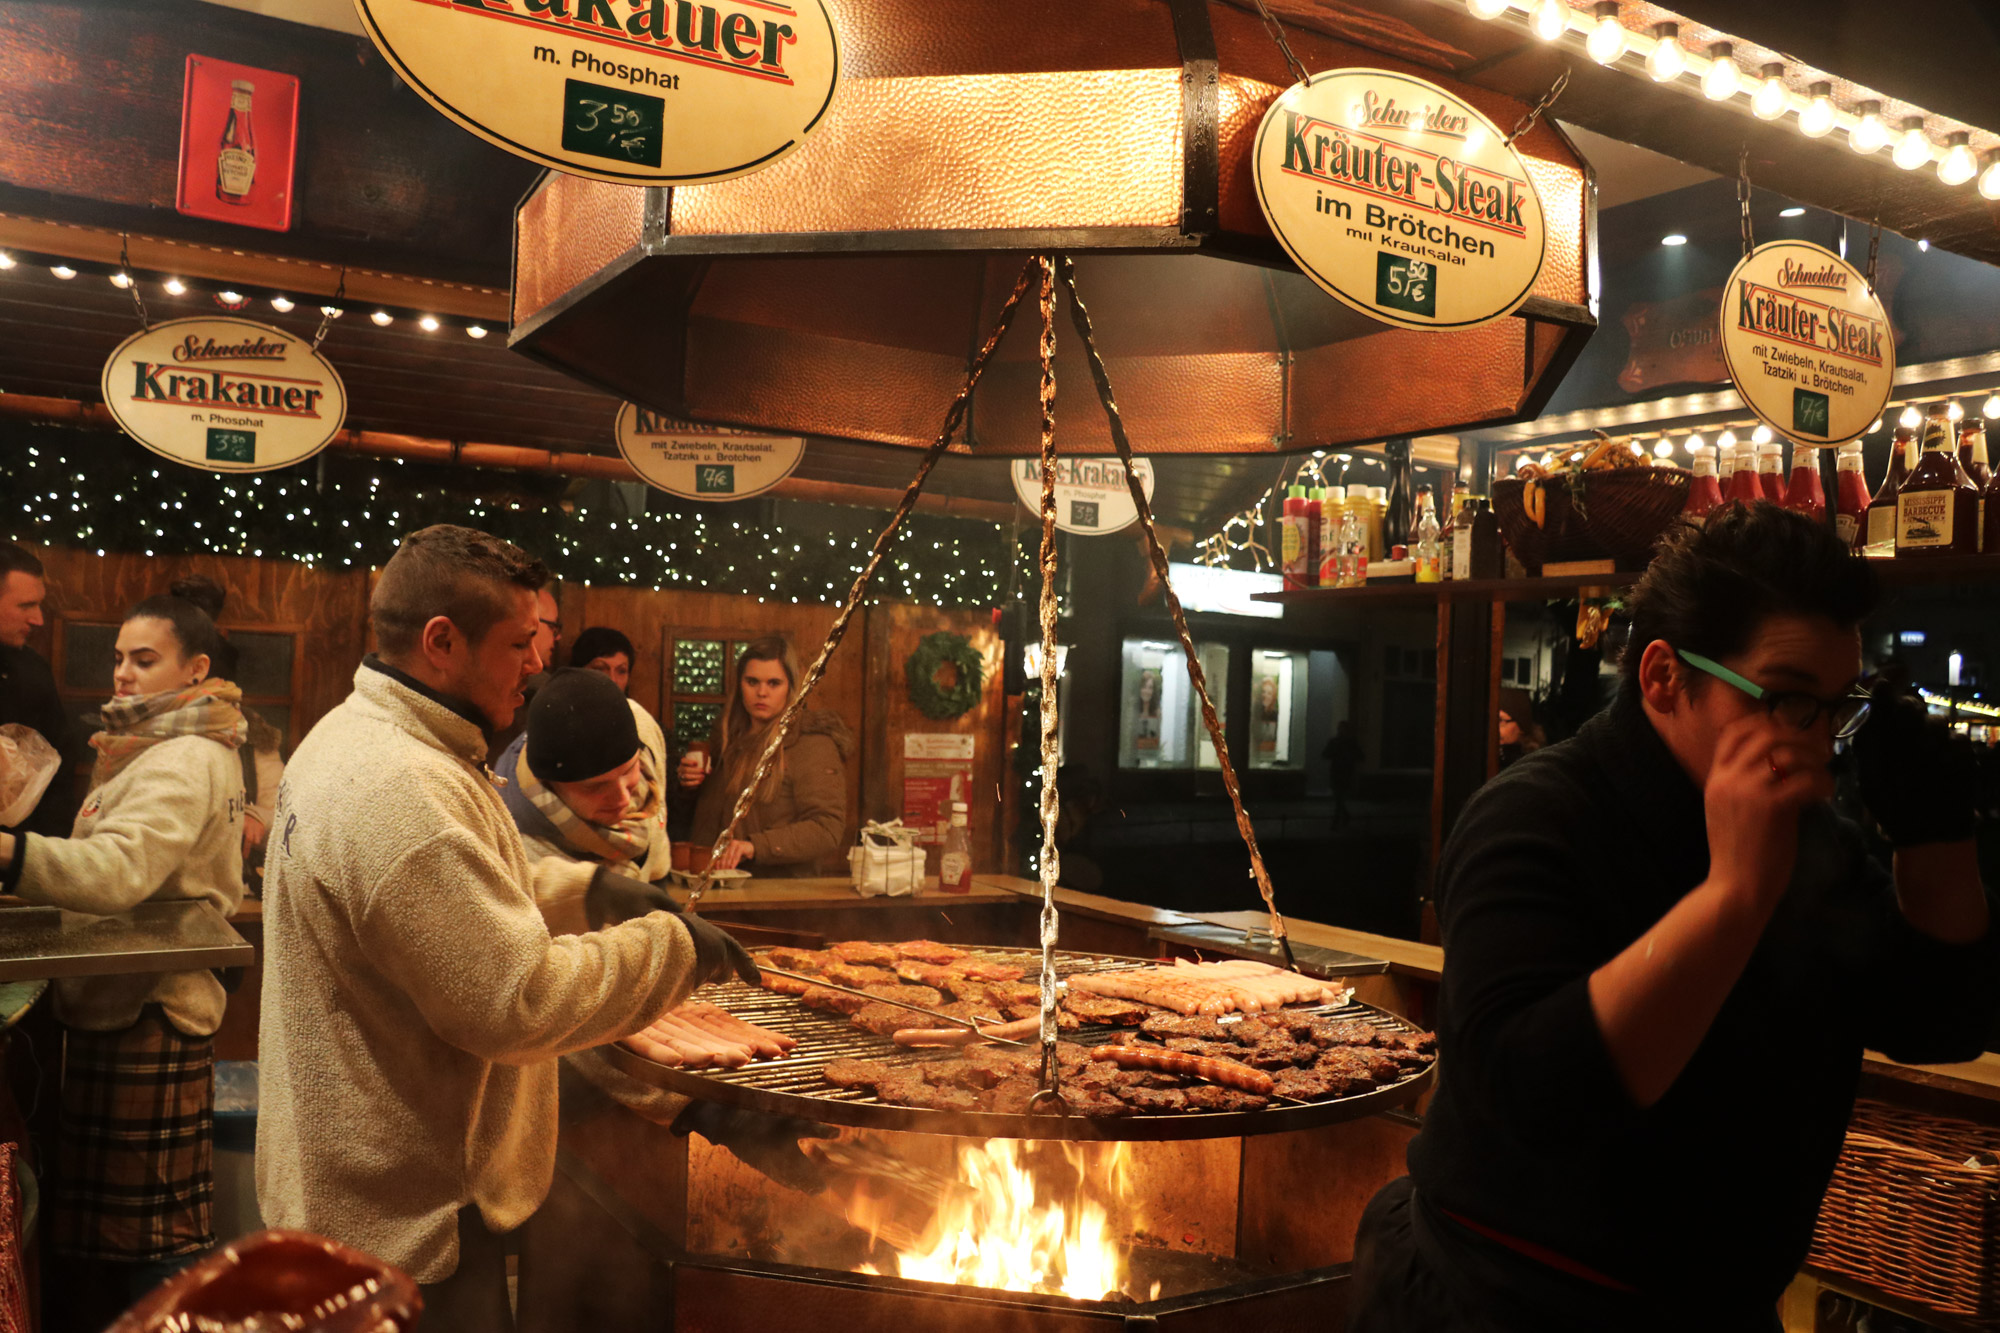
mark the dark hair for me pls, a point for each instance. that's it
(460, 573)
(18, 560)
(192, 628)
(203, 591)
(600, 641)
(1710, 587)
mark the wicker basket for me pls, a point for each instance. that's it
(1622, 513)
(1905, 1214)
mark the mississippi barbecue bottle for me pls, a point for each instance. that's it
(236, 160)
(1937, 509)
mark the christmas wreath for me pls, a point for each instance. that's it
(934, 651)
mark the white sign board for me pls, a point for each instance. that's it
(710, 463)
(636, 92)
(1399, 199)
(1225, 591)
(1808, 344)
(228, 395)
(1092, 497)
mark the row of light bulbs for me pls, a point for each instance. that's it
(1606, 39)
(1910, 418)
(235, 300)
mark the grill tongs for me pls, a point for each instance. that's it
(900, 1004)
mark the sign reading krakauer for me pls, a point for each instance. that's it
(229, 395)
(1092, 497)
(709, 463)
(1808, 344)
(1399, 199)
(636, 92)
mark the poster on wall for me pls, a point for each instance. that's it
(646, 93)
(239, 139)
(937, 770)
(1092, 497)
(1399, 199)
(1807, 342)
(226, 395)
(708, 463)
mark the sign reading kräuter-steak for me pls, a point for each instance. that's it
(709, 463)
(637, 92)
(1399, 199)
(229, 395)
(1808, 344)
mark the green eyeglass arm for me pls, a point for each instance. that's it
(1720, 672)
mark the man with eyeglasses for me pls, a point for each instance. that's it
(1664, 955)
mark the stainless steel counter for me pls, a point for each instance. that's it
(45, 942)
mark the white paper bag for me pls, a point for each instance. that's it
(28, 763)
(888, 861)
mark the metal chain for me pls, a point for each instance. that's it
(1874, 249)
(326, 317)
(1051, 1091)
(132, 282)
(1277, 31)
(1743, 197)
(1534, 113)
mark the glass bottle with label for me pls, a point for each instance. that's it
(1489, 552)
(1804, 492)
(1937, 509)
(955, 865)
(1315, 504)
(1704, 492)
(1292, 537)
(236, 159)
(1851, 498)
(1771, 471)
(1972, 457)
(1881, 532)
(1430, 560)
(1743, 484)
(1332, 508)
(1399, 516)
(1353, 548)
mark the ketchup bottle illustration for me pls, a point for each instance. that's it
(236, 160)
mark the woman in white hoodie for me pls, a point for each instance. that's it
(133, 1189)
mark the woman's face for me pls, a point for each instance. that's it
(147, 659)
(1149, 685)
(765, 688)
(1510, 730)
(617, 666)
(1267, 694)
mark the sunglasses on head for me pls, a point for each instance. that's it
(1795, 708)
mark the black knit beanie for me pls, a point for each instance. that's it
(579, 727)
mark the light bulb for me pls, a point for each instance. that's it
(121, 280)
(1876, 426)
(230, 298)
(1695, 444)
(6, 260)
(282, 304)
(63, 271)
(1487, 9)
(1607, 39)
(1771, 97)
(1954, 412)
(1913, 149)
(1911, 418)
(383, 319)
(1869, 134)
(1550, 19)
(1723, 78)
(1959, 165)
(428, 324)
(332, 311)
(1666, 60)
(1991, 410)
(1726, 440)
(1674, 238)
(175, 287)
(1816, 121)
(1663, 449)
(475, 330)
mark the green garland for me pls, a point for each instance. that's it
(932, 699)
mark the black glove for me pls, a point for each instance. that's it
(613, 898)
(765, 1143)
(716, 953)
(1917, 778)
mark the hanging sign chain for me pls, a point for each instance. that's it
(1534, 113)
(953, 417)
(1874, 249)
(1051, 1091)
(1159, 558)
(327, 311)
(1743, 197)
(132, 283)
(1277, 31)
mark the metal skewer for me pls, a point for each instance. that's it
(900, 1004)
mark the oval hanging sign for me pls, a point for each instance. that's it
(708, 463)
(1091, 495)
(228, 395)
(1807, 343)
(1399, 199)
(635, 92)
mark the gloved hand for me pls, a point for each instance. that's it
(716, 953)
(1917, 778)
(766, 1143)
(613, 898)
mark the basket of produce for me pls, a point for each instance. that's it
(1913, 1210)
(1606, 503)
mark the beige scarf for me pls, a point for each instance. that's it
(135, 724)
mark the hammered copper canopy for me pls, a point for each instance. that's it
(840, 292)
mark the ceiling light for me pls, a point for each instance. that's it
(1954, 412)
(1913, 149)
(1761, 435)
(1869, 134)
(121, 280)
(1991, 410)
(1695, 445)
(1664, 449)
(1667, 60)
(383, 319)
(1772, 95)
(1989, 181)
(1911, 418)
(6, 260)
(1487, 9)
(428, 324)
(1924, 244)
(1816, 120)
(1959, 165)
(1607, 39)
(1550, 19)
(475, 330)
(232, 298)
(63, 271)
(1673, 238)
(175, 287)
(1877, 426)
(1793, 212)
(1723, 78)
(282, 304)
(1726, 440)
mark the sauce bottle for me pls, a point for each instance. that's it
(1332, 509)
(1743, 484)
(1881, 533)
(1374, 522)
(1705, 493)
(955, 865)
(1972, 457)
(1430, 559)
(1315, 507)
(1851, 498)
(1488, 551)
(1937, 509)
(1771, 473)
(1292, 537)
(1805, 494)
(236, 158)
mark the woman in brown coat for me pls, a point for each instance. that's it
(797, 825)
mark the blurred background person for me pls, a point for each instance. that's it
(601, 648)
(28, 688)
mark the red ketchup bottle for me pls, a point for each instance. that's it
(1706, 492)
(1771, 472)
(1315, 498)
(1805, 494)
(1743, 484)
(1851, 498)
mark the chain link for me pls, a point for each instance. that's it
(1874, 249)
(1743, 197)
(331, 310)
(132, 283)
(1277, 31)
(1534, 113)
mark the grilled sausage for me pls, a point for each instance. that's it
(730, 1028)
(1025, 1027)
(657, 1051)
(1226, 1072)
(728, 1054)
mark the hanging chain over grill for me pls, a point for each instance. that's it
(1874, 249)
(132, 283)
(331, 311)
(1743, 197)
(1534, 113)
(1050, 866)
(953, 417)
(1102, 377)
(1277, 31)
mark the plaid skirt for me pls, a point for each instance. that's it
(134, 1165)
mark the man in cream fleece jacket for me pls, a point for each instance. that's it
(414, 1003)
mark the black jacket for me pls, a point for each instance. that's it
(1709, 1196)
(28, 696)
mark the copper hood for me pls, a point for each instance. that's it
(840, 292)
